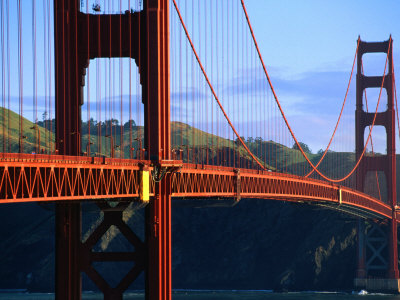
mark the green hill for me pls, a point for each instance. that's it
(10, 137)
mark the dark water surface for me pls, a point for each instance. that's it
(220, 295)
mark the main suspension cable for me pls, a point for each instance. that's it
(341, 113)
(286, 121)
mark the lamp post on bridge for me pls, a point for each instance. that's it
(177, 154)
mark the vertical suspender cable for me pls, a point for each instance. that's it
(173, 84)
(265, 126)
(249, 91)
(216, 80)
(201, 89)
(20, 80)
(238, 95)
(138, 106)
(64, 68)
(231, 79)
(223, 154)
(121, 121)
(194, 93)
(51, 135)
(3, 78)
(180, 94)
(108, 92)
(229, 97)
(235, 96)
(130, 83)
(77, 118)
(34, 77)
(241, 74)
(218, 134)
(206, 103)
(88, 81)
(45, 69)
(8, 76)
(186, 94)
(98, 88)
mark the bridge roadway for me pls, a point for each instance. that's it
(33, 178)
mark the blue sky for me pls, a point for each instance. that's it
(308, 47)
(311, 35)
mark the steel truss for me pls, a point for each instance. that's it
(33, 178)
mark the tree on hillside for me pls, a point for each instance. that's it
(258, 140)
(127, 125)
(237, 141)
(304, 146)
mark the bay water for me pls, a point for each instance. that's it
(220, 295)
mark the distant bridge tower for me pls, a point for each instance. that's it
(377, 249)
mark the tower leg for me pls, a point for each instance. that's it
(158, 235)
(68, 235)
(393, 268)
(156, 99)
(361, 271)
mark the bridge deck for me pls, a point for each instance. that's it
(32, 178)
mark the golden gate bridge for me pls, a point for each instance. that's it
(209, 124)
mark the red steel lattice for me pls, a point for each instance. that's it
(31, 178)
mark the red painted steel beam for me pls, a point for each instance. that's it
(156, 98)
(68, 99)
(109, 35)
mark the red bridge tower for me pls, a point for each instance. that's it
(377, 247)
(143, 36)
